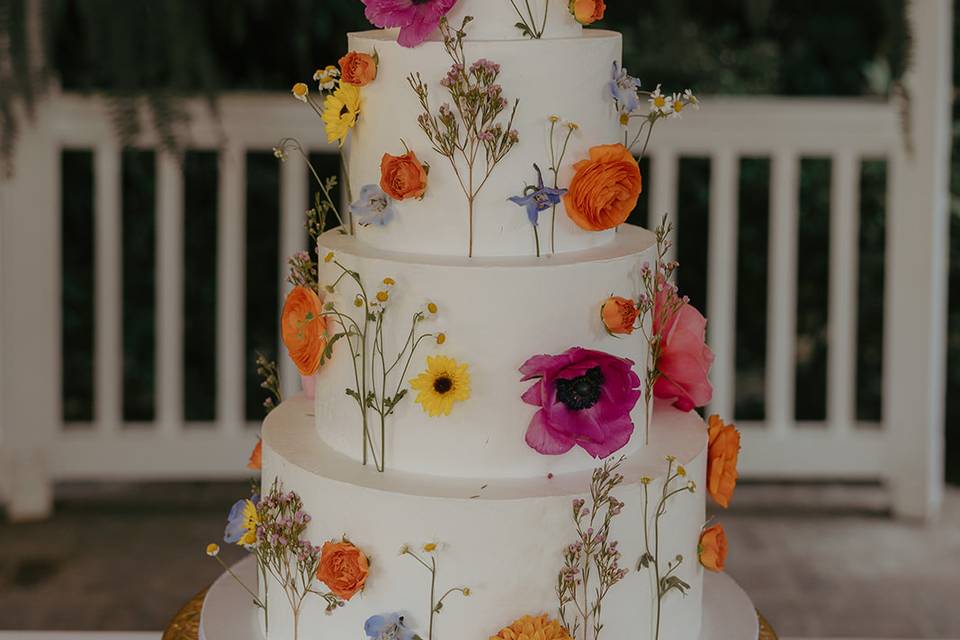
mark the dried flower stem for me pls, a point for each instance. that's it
(528, 24)
(367, 352)
(662, 584)
(656, 280)
(593, 551)
(470, 127)
(555, 162)
(270, 374)
(436, 605)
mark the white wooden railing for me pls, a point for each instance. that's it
(905, 451)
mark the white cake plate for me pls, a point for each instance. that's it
(228, 612)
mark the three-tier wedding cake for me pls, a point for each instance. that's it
(497, 436)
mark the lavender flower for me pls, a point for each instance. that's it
(373, 207)
(387, 627)
(539, 198)
(623, 88)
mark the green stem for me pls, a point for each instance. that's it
(433, 591)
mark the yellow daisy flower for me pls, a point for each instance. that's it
(445, 382)
(213, 549)
(341, 109)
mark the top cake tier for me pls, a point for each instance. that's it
(497, 19)
(566, 77)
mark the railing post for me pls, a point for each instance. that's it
(916, 300)
(30, 408)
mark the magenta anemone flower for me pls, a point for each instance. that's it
(585, 399)
(417, 19)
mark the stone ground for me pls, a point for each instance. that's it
(126, 558)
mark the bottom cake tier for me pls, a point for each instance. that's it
(504, 539)
(228, 613)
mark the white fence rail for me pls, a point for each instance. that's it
(905, 451)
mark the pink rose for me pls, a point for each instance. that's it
(685, 358)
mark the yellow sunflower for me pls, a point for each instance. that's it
(341, 109)
(445, 382)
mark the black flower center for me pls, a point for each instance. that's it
(442, 384)
(420, 1)
(581, 392)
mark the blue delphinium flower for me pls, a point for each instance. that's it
(537, 199)
(388, 627)
(242, 522)
(373, 207)
(623, 88)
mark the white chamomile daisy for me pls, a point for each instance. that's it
(691, 99)
(677, 105)
(327, 77)
(660, 103)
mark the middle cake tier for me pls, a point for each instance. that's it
(494, 314)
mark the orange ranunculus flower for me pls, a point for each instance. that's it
(533, 628)
(403, 177)
(619, 315)
(256, 457)
(358, 68)
(713, 548)
(304, 329)
(343, 568)
(605, 189)
(588, 11)
(722, 455)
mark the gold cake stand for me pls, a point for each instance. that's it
(186, 624)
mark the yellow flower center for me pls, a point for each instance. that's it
(383, 296)
(678, 106)
(432, 307)
(441, 338)
(660, 102)
(430, 547)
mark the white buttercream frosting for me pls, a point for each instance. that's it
(566, 77)
(503, 538)
(496, 313)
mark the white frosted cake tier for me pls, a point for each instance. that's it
(502, 538)
(496, 313)
(567, 77)
(497, 19)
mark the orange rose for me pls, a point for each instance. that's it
(358, 68)
(343, 568)
(303, 329)
(722, 460)
(619, 315)
(256, 457)
(403, 177)
(713, 548)
(605, 189)
(588, 11)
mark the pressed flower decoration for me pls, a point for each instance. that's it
(343, 568)
(389, 626)
(403, 177)
(417, 19)
(470, 131)
(529, 25)
(536, 199)
(341, 109)
(541, 627)
(272, 528)
(444, 383)
(584, 397)
(712, 549)
(373, 207)
(427, 557)
(722, 453)
(591, 564)
(379, 376)
(664, 570)
(303, 328)
(605, 188)
(678, 358)
(256, 457)
(586, 12)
